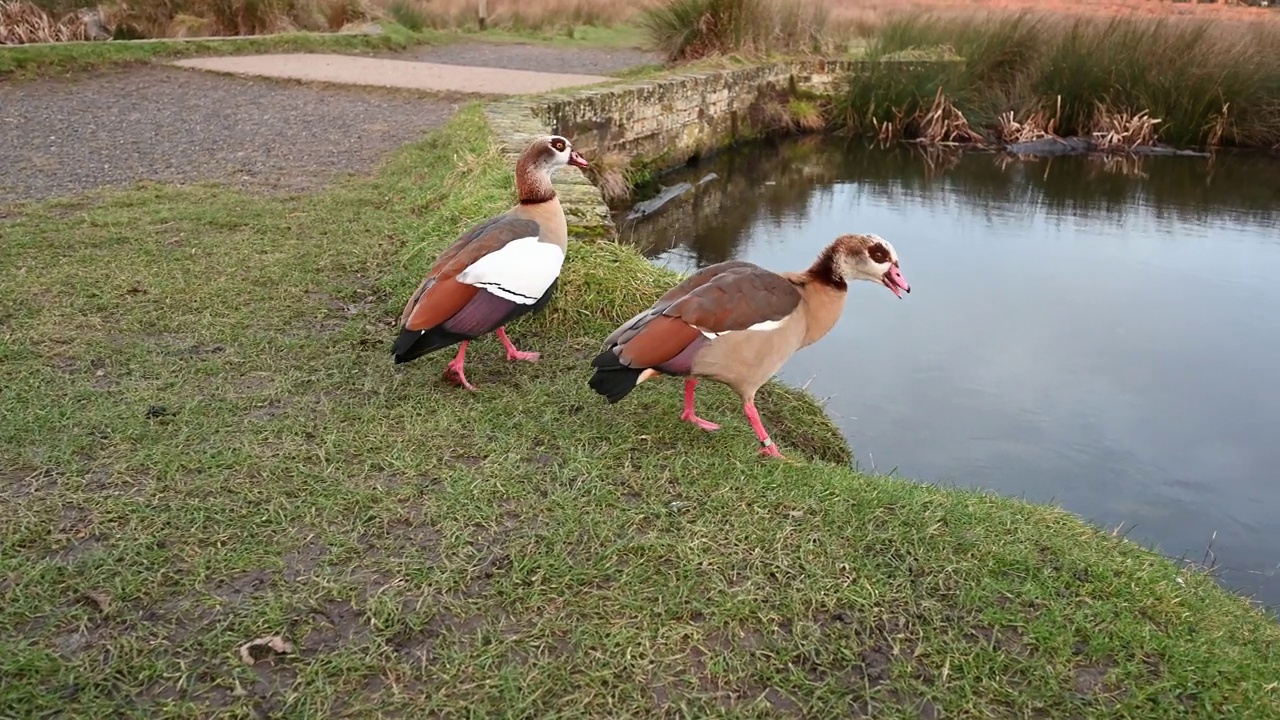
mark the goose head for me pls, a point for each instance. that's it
(861, 257)
(549, 153)
(545, 155)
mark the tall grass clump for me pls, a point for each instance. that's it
(1182, 82)
(204, 18)
(693, 29)
(407, 14)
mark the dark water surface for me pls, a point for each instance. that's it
(1101, 335)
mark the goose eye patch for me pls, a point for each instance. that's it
(879, 253)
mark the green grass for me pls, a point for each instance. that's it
(569, 35)
(1207, 83)
(205, 441)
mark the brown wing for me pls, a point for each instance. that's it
(732, 299)
(686, 286)
(439, 295)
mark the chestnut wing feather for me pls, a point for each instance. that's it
(728, 300)
(736, 300)
(686, 286)
(440, 295)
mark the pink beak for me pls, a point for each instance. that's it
(577, 160)
(894, 281)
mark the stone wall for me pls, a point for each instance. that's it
(664, 121)
(672, 119)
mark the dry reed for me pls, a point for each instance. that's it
(610, 172)
(1121, 130)
(944, 123)
(22, 22)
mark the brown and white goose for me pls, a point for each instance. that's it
(502, 268)
(737, 323)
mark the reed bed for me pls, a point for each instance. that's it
(1123, 81)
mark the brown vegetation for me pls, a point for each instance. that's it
(23, 22)
(611, 173)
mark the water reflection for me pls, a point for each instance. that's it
(1087, 332)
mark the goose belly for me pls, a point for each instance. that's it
(746, 359)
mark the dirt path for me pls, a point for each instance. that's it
(542, 58)
(179, 126)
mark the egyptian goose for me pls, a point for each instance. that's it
(737, 323)
(502, 268)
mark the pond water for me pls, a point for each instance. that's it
(1101, 335)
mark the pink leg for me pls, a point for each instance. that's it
(766, 443)
(453, 373)
(689, 415)
(512, 352)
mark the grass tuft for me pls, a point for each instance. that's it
(686, 30)
(806, 115)
(408, 14)
(611, 172)
(206, 443)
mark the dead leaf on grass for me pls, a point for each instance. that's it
(100, 599)
(263, 648)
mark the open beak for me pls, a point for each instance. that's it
(894, 281)
(577, 160)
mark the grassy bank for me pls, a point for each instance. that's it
(1133, 80)
(205, 442)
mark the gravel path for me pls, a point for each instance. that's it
(540, 58)
(166, 124)
(171, 125)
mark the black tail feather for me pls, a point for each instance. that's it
(612, 379)
(413, 344)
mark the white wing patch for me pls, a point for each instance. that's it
(764, 325)
(521, 271)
